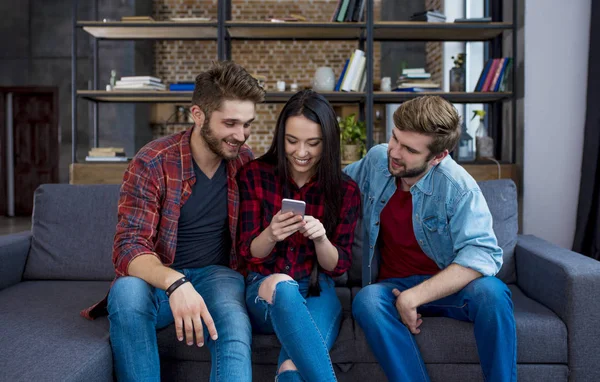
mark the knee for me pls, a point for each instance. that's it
(129, 294)
(267, 287)
(489, 292)
(368, 302)
(287, 365)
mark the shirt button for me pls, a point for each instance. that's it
(292, 249)
(382, 200)
(377, 223)
(421, 241)
(287, 267)
(371, 247)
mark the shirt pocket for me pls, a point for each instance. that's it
(437, 234)
(433, 224)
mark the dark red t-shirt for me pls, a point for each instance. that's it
(401, 255)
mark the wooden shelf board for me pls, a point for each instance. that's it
(456, 97)
(153, 96)
(251, 30)
(429, 31)
(157, 30)
(112, 173)
(144, 96)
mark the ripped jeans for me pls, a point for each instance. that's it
(305, 327)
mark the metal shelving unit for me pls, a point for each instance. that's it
(224, 31)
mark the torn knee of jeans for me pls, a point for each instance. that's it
(282, 374)
(277, 285)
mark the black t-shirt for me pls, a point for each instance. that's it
(203, 236)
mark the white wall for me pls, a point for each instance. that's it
(556, 61)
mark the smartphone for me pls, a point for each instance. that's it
(291, 205)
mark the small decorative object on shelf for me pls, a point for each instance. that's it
(484, 143)
(465, 146)
(294, 87)
(113, 80)
(386, 84)
(457, 74)
(324, 80)
(354, 137)
(281, 86)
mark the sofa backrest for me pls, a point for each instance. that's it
(73, 228)
(501, 197)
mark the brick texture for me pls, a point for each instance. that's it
(290, 61)
(434, 51)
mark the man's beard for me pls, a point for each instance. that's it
(407, 173)
(215, 144)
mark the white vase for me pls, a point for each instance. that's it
(324, 80)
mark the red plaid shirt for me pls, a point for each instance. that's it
(157, 182)
(260, 199)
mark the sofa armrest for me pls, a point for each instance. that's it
(569, 284)
(13, 255)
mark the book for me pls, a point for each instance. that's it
(352, 70)
(182, 87)
(141, 78)
(108, 149)
(339, 81)
(138, 19)
(473, 20)
(106, 159)
(482, 76)
(343, 10)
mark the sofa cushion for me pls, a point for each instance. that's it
(73, 231)
(265, 347)
(43, 337)
(501, 197)
(541, 336)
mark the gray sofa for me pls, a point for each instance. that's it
(64, 265)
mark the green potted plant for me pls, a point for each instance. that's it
(353, 136)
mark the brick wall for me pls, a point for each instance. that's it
(291, 61)
(434, 51)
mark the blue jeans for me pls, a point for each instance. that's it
(485, 301)
(136, 309)
(306, 327)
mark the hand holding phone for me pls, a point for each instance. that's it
(288, 220)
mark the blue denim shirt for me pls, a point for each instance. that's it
(451, 219)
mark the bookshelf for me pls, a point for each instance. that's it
(224, 30)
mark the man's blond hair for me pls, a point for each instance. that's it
(432, 116)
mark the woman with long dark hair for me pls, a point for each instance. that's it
(292, 258)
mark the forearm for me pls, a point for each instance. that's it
(150, 269)
(449, 281)
(262, 245)
(327, 254)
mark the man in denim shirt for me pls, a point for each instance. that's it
(429, 247)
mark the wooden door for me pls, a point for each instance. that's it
(35, 142)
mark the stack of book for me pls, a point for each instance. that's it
(495, 76)
(416, 80)
(353, 77)
(139, 83)
(429, 16)
(349, 11)
(106, 154)
(137, 19)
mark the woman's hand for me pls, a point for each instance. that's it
(313, 229)
(284, 225)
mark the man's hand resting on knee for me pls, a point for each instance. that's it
(189, 310)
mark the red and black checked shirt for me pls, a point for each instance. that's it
(156, 184)
(260, 199)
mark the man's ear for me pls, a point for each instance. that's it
(438, 158)
(197, 115)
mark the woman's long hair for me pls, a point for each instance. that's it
(315, 108)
